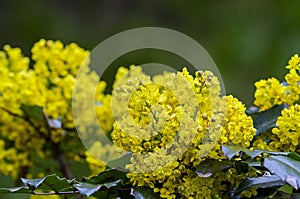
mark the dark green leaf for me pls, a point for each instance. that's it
(213, 166)
(261, 182)
(34, 114)
(294, 155)
(55, 183)
(116, 190)
(109, 175)
(88, 189)
(242, 166)
(15, 190)
(145, 193)
(48, 183)
(286, 189)
(286, 168)
(267, 119)
(231, 150)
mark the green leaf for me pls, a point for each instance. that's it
(242, 166)
(55, 183)
(267, 119)
(88, 189)
(34, 114)
(286, 168)
(145, 193)
(109, 175)
(213, 166)
(231, 150)
(286, 189)
(48, 183)
(15, 190)
(294, 155)
(260, 182)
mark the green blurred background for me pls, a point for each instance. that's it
(248, 40)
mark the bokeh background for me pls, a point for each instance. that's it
(248, 40)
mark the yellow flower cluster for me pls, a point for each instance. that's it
(284, 137)
(173, 123)
(288, 128)
(238, 128)
(46, 82)
(9, 156)
(271, 92)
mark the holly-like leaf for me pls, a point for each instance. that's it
(231, 150)
(88, 189)
(106, 176)
(48, 183)
(261, 182)
(145, 193)
(213, 166)
(267, 119)
(55, 183)
(286, 168)
(15, 190)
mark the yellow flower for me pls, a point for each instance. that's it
(294, 62)
(288, 127)
(269, 93)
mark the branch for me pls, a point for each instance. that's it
(64, 165)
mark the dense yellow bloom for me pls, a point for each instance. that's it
(164, 155)
(288, 128)
(47, 82)
(11, 155)
(269, 93)
(238, 128)
(284, 137)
